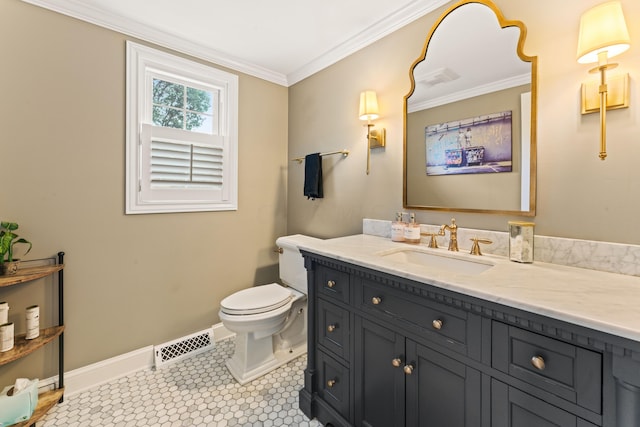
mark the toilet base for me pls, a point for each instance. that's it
(243, 375)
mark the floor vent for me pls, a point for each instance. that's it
(182, 348)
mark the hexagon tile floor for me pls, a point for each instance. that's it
(198, 391)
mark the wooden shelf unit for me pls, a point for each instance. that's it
(24, 347)
(30, 273)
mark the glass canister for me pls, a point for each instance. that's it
(521, 241)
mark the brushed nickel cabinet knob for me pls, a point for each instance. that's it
(331, 284)
(396, 362)
(376, 300)
(408, 369)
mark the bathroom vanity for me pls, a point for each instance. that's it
(406, 335)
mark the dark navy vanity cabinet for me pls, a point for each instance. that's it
(388, 351)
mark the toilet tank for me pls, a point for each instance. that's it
(292, 271)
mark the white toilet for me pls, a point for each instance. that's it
(270, 321)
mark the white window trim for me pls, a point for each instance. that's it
(141, 61)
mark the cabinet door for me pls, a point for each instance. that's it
(511, 407)
(379, 393)
(440, 391)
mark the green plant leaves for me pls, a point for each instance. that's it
(9, 225)
(8, 239)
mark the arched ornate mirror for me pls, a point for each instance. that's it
(470, 116)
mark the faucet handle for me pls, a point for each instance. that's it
(475, 248)
(433, 243)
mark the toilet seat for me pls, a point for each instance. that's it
(256, 300)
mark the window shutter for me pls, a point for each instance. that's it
(185, 165)
(193, 172)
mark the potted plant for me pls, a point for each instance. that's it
(8, 239)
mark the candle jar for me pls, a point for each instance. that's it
(6, 337)
(521, 241)
(33, 322)
(4, 312)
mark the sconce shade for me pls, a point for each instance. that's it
(368, 105)
(602, 28)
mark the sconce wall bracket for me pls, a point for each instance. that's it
(377, 138)
(617, 94)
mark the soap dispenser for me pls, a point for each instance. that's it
(397, 228)
(412, 230)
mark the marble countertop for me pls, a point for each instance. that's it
(598, 300)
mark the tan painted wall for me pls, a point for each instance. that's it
(579, 196)
(135, 280)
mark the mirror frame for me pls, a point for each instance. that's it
(534, 100)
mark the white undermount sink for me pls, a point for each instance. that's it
(441, 261)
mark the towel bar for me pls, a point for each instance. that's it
(344, 153)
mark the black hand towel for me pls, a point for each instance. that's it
(313, 176)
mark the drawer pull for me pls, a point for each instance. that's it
(538, 362)
(408, 369)
(331, 284)
(331, 383)
(376, 300)
(437, 324)
(396, 362)
(331, 328)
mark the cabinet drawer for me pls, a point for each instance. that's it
(511, 407)
(332, 283)
(568, 371)
(333, 328)
(333, 383)
(429, 318)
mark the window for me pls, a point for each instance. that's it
(182, 134)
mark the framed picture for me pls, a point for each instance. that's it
(479, 144)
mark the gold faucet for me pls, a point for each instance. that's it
(453, 234)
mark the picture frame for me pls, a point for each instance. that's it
(480, 144)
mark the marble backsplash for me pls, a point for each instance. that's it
(603, 256)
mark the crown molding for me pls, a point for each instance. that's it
(79, 10)
(373, 33)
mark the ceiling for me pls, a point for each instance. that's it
(283, 41)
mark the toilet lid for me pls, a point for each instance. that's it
(256, 300)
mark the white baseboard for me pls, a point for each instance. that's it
(98, 373)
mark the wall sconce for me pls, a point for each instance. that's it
(603, 35)
(369, 111)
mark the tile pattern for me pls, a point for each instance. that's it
(197, 391)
